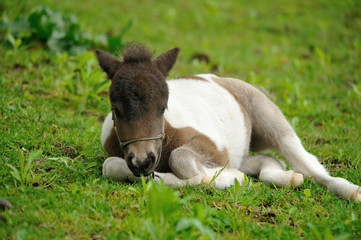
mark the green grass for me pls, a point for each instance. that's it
(306, 54)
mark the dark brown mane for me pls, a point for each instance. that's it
(135, 52)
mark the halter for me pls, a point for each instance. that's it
(156, 137)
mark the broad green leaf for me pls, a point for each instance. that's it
(32, 156)
(90, 165)
(22, 162)
(185, 223)
(237, 185)
(11, 39)
(17, 43)
(134, 190)
(64, 160)
(152, 229)
(15, 172)
(19, 27)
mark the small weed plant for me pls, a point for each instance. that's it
(25, 174)
(163, 204)
(55, 31)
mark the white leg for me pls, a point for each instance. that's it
(225, 179)
(187, 168)
(307, 164)
(270, 129)
(271, 170)
(172, 180)
(116, 168)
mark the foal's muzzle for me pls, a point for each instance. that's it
(142, 167)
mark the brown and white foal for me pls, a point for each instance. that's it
(187, 129)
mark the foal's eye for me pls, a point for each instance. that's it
(162, 110)
(115, 111)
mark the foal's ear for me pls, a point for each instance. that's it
(108, 63)
(166, 60)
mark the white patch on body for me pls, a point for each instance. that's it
(107, 127)
(211, 110)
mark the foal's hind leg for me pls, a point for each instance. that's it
(307, 164)
(270, 170)
(270, 129)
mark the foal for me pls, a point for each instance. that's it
(187, 129)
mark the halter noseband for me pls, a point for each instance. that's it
(124, 144)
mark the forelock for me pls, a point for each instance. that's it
(136, 52)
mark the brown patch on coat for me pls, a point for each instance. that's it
(175, 138)
(112, 146)
(211, 156)
(191, 138)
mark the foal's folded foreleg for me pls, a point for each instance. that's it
(225, 179)
(172, 180)
(116, 168)
(188, 168)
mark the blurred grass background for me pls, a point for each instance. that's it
(305, 54)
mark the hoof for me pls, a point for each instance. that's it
(297, 180)
(356, 196)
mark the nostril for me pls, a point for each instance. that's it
(130, 157)
(151, 157)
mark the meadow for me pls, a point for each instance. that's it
(53, 98)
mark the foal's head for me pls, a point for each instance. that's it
(139, 96)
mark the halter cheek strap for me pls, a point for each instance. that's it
(125, 143)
